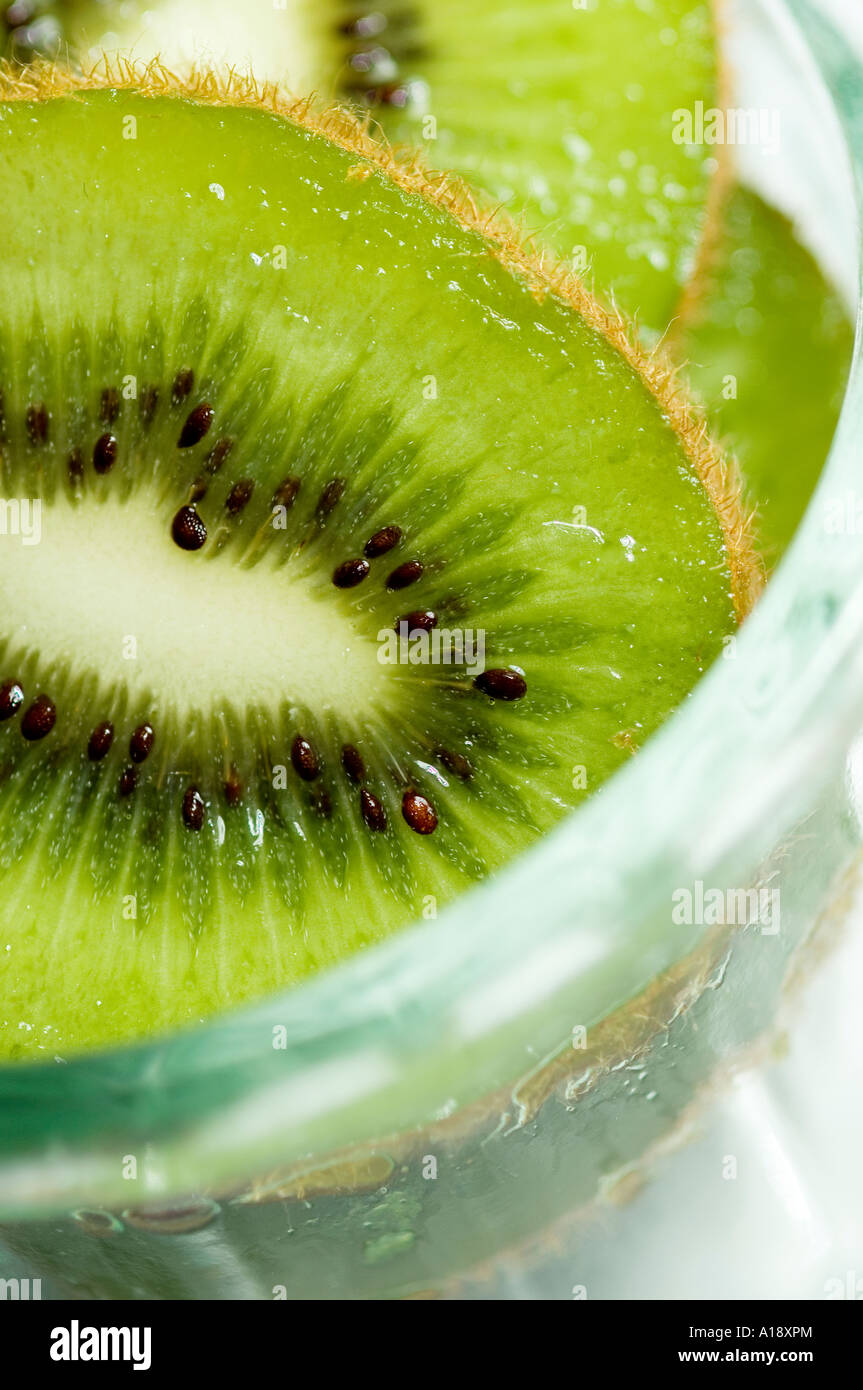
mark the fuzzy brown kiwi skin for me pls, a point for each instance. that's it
(717, 195)
(542, 274)
(693, 295)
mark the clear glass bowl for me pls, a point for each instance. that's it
(392, 1126)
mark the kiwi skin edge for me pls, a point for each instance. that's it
(42, 81)
(718, 191)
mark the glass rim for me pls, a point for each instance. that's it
(452, 1006)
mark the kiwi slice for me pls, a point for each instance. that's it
(277, 395)
(561, 111)
(768, 343)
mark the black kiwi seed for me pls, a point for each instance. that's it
(128, 781)
(367, 58)
(217, 455)
(194, 809)
(285, 494)
(233, 788)
(19, 13)
(188, 530)
(39, 719)
(364, 27)
(390, 94)
(423, 620)
(502, 684)
(182, 387)
(141, 743)
(322, 804)
(330, 498)
(105, 453)
(419, 813)
(109, 405)
(38, 423)
(305, 759)
(455, 763)
(100, 742)
(75, 467)
(372, 810)
(352, 762)
(199, 488)
(148, 404)
(23, 12)
(405, 575)
(396, 93)
(11, 700)
(197, 425)
(240, 496)
(350, 574)
(382, 541)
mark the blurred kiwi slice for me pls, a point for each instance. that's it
(767, 343)
(268, 396)
(560, 110)
(566, 119)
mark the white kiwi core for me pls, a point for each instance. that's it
(104, 589)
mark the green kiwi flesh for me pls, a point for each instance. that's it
(767, 345)
(560, 111)
(235, 312)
